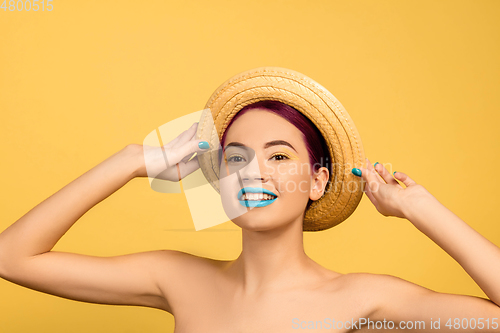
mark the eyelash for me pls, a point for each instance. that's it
(281, 154)
(278, 154)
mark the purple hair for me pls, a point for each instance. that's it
(317, 149)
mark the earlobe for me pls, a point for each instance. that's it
(315, 193)
(319, 184)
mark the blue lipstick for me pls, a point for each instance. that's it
(255, 203)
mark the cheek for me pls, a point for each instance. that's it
(292, 181)
(295, 186)
(229, 188)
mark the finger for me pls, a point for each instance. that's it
(374, 172)
(382, 171)
(371, 176)
(370, 196)
(186, 135)
(403, 177)
(171, 143)
(175, 155)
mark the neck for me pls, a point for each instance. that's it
(272, 258)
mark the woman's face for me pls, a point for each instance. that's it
(281, 166)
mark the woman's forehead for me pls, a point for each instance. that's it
(262, 126)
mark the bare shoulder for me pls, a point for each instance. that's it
(377, 289)
(178, 266)
(395, 299)
(187, 259)
(180, 274)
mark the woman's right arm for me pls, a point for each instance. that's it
(25, 246)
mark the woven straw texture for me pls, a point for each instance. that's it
(344, 190)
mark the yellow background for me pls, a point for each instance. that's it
(419, 78)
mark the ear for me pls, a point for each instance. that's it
(318, 183)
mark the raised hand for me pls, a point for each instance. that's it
(174, 161)
(385, 192)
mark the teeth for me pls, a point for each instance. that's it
(256, 196)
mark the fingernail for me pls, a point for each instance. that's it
(394, 173)
(375, 164)
(356, 172)
(203, 145)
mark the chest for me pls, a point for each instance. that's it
(222, 311)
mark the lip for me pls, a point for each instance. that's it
(255, 203)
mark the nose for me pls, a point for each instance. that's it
(256, 170)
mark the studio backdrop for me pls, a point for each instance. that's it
(80, 80)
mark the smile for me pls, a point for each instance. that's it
(255, 197)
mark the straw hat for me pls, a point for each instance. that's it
(344, 190)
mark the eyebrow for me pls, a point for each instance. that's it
(267, 145)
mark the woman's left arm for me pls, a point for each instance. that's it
(477, 255)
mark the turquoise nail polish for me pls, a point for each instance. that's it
(375, 164)
(356, 172)
(394, 173)
(203, 145)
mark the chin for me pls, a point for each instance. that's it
(255, 221)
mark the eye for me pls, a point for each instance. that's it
(283, 157)
(235, 158)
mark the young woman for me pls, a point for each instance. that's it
(273, 286)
